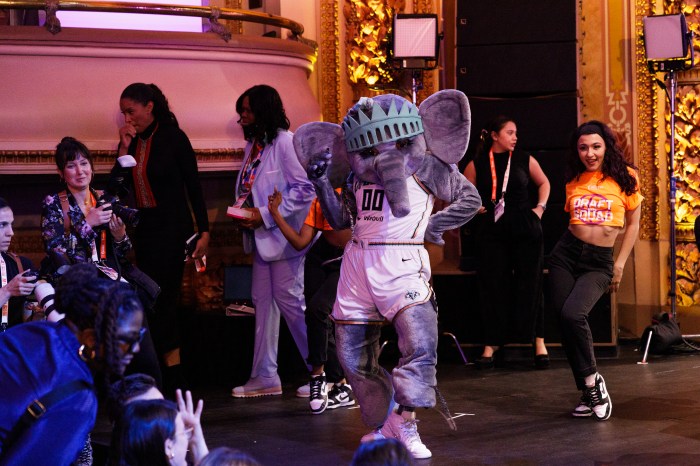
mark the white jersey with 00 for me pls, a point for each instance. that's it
(385, 266)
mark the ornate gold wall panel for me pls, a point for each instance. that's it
(647, 130)
(368, 23)
(655, 183)
(329, 62)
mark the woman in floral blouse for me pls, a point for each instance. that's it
(82, 240)
(76, 230)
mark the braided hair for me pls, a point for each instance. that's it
(89, 301)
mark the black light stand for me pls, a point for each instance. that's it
(667, 42)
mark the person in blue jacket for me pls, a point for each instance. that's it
(101, 332)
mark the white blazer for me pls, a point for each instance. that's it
(279, 168)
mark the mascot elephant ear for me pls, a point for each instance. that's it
(447, 124)
(312, 140)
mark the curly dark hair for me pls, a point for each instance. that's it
(144, 93)
(614, 163)
(89, 301)
(266, 104)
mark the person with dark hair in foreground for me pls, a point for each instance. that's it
(603, 200)
(159, 432)
(133, 387)
(101, 331)
(225, 456)
(382, 452)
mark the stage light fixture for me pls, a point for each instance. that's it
(415, 40)
(666, 42)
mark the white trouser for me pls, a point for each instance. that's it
(278, 287)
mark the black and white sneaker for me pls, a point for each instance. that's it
(584, 406)
(318, 395)
(601, 404)
(340, 395)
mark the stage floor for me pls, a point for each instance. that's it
(510, 415)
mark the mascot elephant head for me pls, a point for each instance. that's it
(386, 139)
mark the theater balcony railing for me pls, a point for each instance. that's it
(59, 81)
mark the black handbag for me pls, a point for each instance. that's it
(665, 333)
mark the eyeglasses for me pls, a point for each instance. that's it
(128, 346)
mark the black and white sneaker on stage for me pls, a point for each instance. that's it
(595, 401)
(318, 396)
(340, 395)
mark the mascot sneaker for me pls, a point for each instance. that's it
(258, 386)
(406, 431)
(376, 434)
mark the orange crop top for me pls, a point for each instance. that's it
(315, 218)
(592, 200)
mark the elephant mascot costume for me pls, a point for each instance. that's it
(392, 160)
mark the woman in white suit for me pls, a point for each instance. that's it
(278, 269)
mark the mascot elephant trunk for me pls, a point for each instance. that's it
(390, 166)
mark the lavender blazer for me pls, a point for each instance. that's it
(279, 168)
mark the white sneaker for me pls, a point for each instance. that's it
(304, 391)
(376, 434)
(318, 398)
(258, 386)
(406, 431)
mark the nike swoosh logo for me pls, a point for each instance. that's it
(405, 260)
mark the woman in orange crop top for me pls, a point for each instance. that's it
(603, 199)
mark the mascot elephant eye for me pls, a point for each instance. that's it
(369, 152)
(405, 142)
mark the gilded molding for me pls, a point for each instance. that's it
(329, 61)
(647, 131)
(236, 27)
(686, 162)
(19, 162)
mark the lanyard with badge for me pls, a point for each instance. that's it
(500, 206)
(249, 172)
(6, 306)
